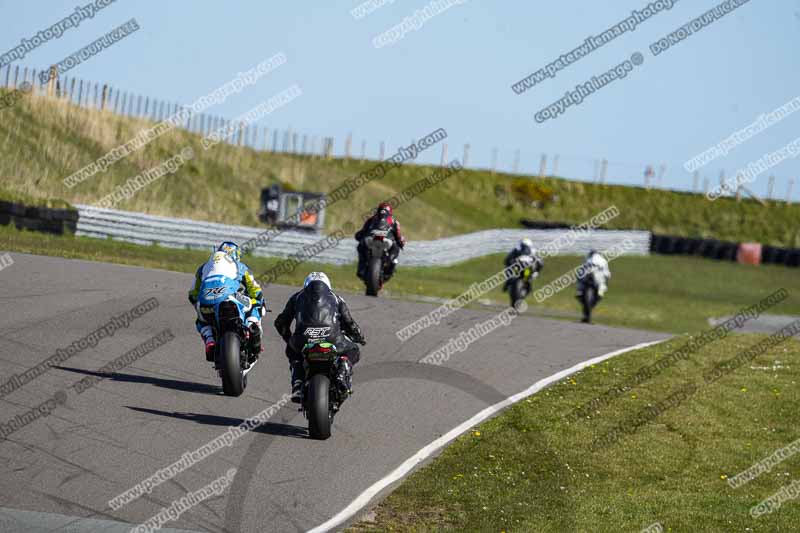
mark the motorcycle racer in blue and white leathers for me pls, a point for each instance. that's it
(227, 261)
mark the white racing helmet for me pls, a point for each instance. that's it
(317, 276)
(526, 245)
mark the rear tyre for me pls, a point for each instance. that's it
(319, 413)
(374, 276)
(233, 382)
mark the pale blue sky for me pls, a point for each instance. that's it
(456, 72)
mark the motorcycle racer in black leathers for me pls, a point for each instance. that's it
(319, 313)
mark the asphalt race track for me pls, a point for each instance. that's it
(65, 467)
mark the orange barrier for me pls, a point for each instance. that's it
(749, 253)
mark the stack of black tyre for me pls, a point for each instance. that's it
(45, 219)
(719, 250)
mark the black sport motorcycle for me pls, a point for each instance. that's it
(322, 393)
(520, 286)
(377, 245)
(589, 295)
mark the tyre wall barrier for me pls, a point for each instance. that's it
(44, 219)
(752, 253)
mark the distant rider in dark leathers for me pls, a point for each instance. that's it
(524, 248)
(383, 217)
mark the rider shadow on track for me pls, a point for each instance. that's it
(183, 386)
(267, 428)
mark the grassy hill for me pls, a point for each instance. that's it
(42, 141)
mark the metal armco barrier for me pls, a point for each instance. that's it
(144, 229)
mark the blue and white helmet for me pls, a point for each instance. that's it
(317, 276)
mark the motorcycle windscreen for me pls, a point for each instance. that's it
(221, 264)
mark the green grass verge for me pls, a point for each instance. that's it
(663, 293)
(531, 469)
(43, 141)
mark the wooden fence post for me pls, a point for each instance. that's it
(466, 155)
(542, 166)
(51, 80)
(103, 97)
(770, 186)
(347, 143)
(443, 162)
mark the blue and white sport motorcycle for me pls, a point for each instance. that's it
(224, 307)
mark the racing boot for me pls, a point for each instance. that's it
(344, 377)
(255, 341)
(208, 339)
(297, 378)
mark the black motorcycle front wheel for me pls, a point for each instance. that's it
(318, 407)
(589, 301)
(232, 379)
(517, 292)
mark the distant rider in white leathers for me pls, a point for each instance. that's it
(597, 266)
